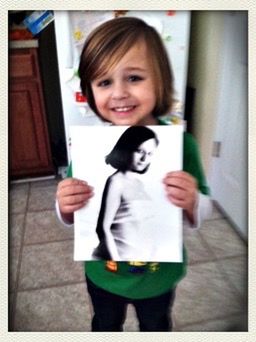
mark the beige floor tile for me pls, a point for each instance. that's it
(222, 239)
(233, 323)
(48, 265)
(18, 197)
(204, 295)
(217, 213)
(236, 270)
(16, 225)
(53, 309)
(44, 226)
(131, 323)
(42, 197)
(197, 251)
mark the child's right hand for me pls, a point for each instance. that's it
(72, 194)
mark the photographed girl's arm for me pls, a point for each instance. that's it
(72, 194)
(113, 200)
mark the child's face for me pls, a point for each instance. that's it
(125, 94)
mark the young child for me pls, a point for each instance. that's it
(126, 77)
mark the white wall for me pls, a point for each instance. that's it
(218, 71)
(203, 75)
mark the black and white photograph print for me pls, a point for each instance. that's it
(129, 218)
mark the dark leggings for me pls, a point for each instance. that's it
(154, 314)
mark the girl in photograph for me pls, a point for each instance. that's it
(125, 206)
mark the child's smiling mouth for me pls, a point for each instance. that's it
(124, 109)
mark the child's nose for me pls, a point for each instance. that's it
(119, 90)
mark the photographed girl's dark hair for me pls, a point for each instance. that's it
(109, 42)
(121, 155)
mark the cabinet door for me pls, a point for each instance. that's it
(29, 144)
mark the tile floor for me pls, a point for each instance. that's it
(47, 291)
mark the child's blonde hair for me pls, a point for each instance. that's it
(109, 42)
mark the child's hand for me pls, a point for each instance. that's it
(72, 194)
(181, 189)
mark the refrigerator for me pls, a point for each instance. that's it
(71, 30)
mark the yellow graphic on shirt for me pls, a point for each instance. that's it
(137, 263)
(136, 267)
(153, 266)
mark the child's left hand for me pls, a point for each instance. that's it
(181, 190)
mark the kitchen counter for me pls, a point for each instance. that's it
(23, 44)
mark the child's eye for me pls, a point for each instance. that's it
(134, 78)
(104, 83)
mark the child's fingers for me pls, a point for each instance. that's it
(73, 190)
(70, 208)
(177, 196)
(181, 176)
(181, 189)
(71, 187)
(180, 179)
(70, 204)
(176, 193)
(72, 194)
(76, 199)
(179, 203)
(71, 181)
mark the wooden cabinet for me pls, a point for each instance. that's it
(30, 154)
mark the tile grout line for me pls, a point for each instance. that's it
(47, 242)
(216, 259)
(63, 284)
(33, 211)
(15, 290)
